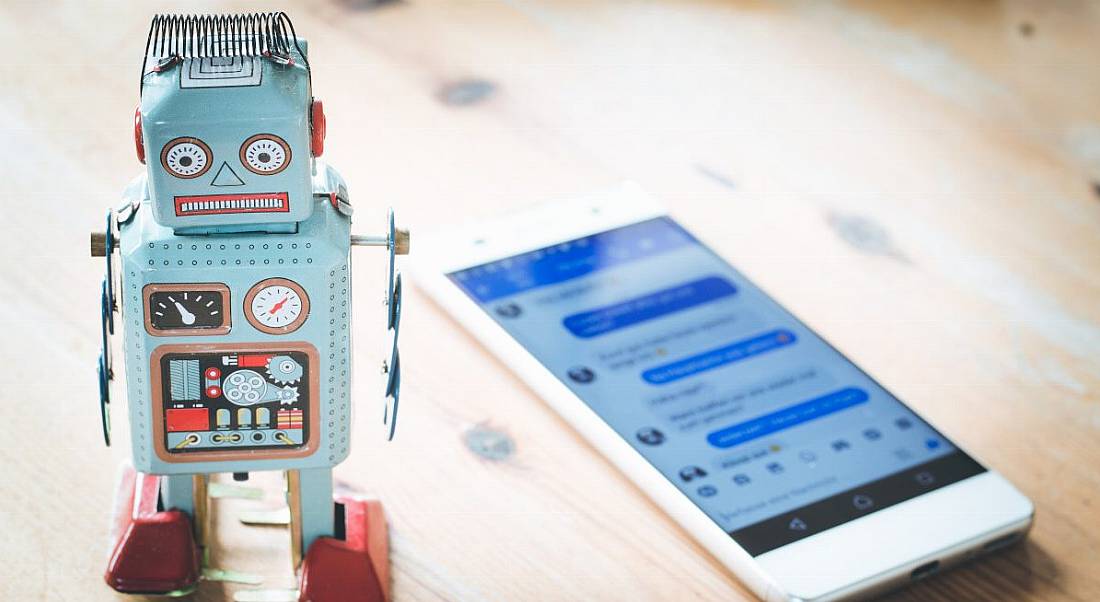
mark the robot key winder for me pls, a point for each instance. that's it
(232, 289)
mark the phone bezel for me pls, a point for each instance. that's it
(867, 554)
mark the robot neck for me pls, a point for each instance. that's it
(276, 228)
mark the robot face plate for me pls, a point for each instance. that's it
(233, 151)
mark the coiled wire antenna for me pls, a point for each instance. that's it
(247, 35)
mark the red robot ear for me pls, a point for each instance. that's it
(317, 135)
(138, 138)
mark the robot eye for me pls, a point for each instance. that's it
(265, 154)
(186, 157)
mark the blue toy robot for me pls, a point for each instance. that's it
(233, 289)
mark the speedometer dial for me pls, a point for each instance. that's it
(276, 306)
(186, 309)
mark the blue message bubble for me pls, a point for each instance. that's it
(603, 320)
(714, 358)
(787, 417)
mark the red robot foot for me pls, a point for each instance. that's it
(152, 552)
(355, 568)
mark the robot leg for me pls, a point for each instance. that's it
(153, 551)
(188, 494)
(345, 541)
(312, 515)
(177, 492)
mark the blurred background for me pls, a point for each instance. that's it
(920, 181)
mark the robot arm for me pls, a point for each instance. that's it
(397, 243)
(107, 307)
(330, 186)
(104, 244)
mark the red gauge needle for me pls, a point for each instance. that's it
(278, 306)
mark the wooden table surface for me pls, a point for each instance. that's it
(916, 180)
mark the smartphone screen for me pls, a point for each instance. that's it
(767, 428)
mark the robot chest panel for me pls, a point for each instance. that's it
(234, 401)
(236, 354)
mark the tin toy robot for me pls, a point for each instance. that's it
(233, 293)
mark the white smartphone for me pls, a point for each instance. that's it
(790, 464)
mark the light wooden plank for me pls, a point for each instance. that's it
(912, 179)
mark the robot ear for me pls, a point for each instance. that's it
(139, 139)
(317, 125)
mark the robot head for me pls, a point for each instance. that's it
(227, 127)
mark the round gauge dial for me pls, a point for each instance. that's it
(186, 309)
(265, 154)
(186, 157)
(276, 306)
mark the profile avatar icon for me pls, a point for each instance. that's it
(650, 436)
(581, 375)
(688, 473)
(508, 310)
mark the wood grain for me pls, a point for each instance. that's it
(913, 179)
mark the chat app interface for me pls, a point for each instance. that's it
(763, 425)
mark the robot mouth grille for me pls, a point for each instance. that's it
(218, 204)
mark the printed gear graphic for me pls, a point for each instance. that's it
(288, 395)
(284, 370)
(245, 387)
